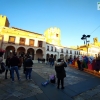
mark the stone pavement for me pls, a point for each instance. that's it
(90, 83)
(17, 90)
(78, 86)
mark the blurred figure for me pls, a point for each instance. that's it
(97, 64)
(14, 66)
(28, 64)
(79, 64)
(7, 67)
(21, 62)
(51, 61)
(38, 60)
(24, 67)
(47, 61)
(2, 69)
(60, 72)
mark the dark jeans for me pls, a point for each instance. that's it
(60, 81)
(51, 63)
(79, 66)
(14, 68)
(28, 73)
(7, 72)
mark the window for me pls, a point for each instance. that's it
(61, 50)
(40, 43)
(66, 51)
(11, 39)
(47, 48)
(22, 41)
(56, 35)
(55, 49)
(31, 42)
(70, 51)
(75, 52)
(51, 48)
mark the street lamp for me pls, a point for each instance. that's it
(84, 37)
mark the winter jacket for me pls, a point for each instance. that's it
(60, 71)
(28, 63)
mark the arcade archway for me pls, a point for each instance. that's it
(21, 51)
(30, 51)
(39, 54)
(9, 51)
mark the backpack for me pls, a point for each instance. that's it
(2, 67)
(52, 78)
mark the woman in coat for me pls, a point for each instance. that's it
(60, 72)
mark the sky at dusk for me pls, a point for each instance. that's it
(73, 17)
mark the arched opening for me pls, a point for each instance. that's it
(51, 55)
(20, 51)
(39, 54)
(9, 51)
(70, 56)
(61, 56)
(30, 51)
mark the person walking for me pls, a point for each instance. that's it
(28, 64)
(7, 67)
(14, 66)
(21, 62)
(24, 67)
(79, 64)
(60, 72)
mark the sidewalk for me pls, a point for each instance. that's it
(78, 86)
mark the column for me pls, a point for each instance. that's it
(36, 43)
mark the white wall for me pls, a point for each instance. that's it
(58, 53)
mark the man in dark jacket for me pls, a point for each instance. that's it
(14, 61)
(28, 64)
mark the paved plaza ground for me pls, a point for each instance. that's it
(78, 86)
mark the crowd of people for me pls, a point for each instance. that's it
(87, 62)
(14, 63)
(49, 61)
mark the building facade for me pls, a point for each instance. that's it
(41, 46)
(61, 52)
(92, 49)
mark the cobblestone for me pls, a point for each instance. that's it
(71, 80)
(23, 89)
(18, 89)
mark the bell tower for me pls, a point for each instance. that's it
(53, 36)
(4, 21)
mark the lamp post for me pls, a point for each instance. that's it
(84, 37)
